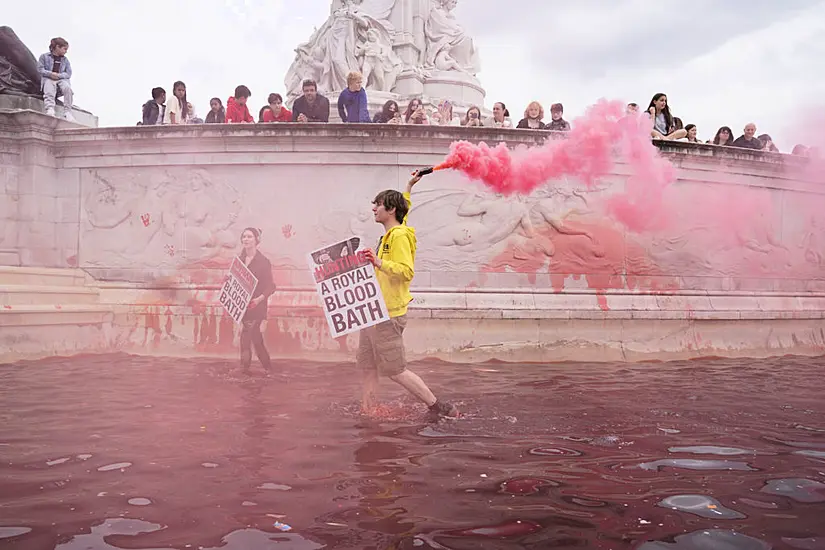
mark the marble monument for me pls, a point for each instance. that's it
(404, 49)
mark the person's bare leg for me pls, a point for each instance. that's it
(370, 388)
(416, 386)
(677, 134)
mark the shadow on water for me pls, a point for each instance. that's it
(103, 452)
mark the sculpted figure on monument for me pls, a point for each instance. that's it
(332, 50)
(379, 64)
(448, 46)
(18, 67)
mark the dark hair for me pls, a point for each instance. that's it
(261, 113)
(157, 92)
(216, 99)
(274, 97)
(719, 131)
(503, 107)
(255, 231)
(309, 82)
(390, 199)
(57, 43)
(409, 112)
(242, 91)
(633, 105)
(386, 109)
(665, 111)
(184, 108)
(677, 123)
(557, 107)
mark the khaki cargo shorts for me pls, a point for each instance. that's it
(381, 347)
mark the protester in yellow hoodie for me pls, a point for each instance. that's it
(381, 347)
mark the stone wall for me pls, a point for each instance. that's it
(733, 264)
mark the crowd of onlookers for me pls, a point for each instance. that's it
(352, 106)
(56, 73)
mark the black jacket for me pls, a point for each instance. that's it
(151, 113)
(262, 269)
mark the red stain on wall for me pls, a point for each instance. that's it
(606, 260)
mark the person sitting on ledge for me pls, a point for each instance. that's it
(275, 111)
(216, 114)
(236, 109)
(557, 122)
(352, 102)
(748, 139)
(389, 114)
(533, 117)
(177, 112)
(664, 126)
(155, 109)
(312, 106)
(56, 74)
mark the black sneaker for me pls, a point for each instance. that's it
(444, 409)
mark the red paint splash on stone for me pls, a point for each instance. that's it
(604, 257)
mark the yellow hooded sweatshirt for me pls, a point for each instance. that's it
(396, 249)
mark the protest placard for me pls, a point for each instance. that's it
(349, 291)
(237, 290)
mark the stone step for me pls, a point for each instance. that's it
(13, 275)
(51, 315)
(14, 295)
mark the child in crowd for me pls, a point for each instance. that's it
(56, 73)
(177, 112)
(236, 109)
(154, 110)
(216, 114)
(275, 111)
(352, 103)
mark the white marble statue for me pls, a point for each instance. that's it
(448, 46)
(379, 63)
(332, 50)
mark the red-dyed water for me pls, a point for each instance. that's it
(127, 452)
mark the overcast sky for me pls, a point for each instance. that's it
(720, 63)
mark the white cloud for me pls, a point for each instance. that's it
(720, 64)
